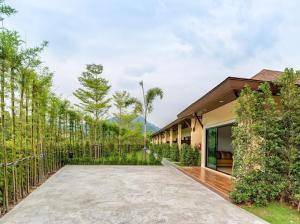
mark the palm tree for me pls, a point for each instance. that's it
(147, 106)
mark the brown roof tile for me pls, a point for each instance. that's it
(267, 75)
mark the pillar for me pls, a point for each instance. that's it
(179, 136)
(166, 137)
(171, 136)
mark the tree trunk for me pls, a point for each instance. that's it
(28, 152)
(13, 129)
(5, 177)
(145, 132)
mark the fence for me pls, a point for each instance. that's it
(19, 177)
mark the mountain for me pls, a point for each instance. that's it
(150, 126)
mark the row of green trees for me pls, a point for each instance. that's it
(117, 155)
(187, 155)
(267, 142)
(40, 130)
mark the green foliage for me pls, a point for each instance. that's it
(147, 105)
(150, 97)
(290, 132)
(189, 156)
(165, 150)
(174, 153)
(127, 111)
(40, 132)
(113, 156)
(153, 160)
(275, 213)
(6, 9)
(93, 95)
(266, 143)
(256, 148)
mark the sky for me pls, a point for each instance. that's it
(184, 47)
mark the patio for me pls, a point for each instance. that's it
(216, 181)
(125, 194)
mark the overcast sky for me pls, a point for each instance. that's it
(184, 47)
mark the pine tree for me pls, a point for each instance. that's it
(93, 95)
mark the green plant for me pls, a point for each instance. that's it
(256, 143)
(165, 150)
(174, 153)
(275, 213)
(189, 156)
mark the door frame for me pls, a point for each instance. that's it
(216, 125)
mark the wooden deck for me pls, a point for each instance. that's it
(216, 181)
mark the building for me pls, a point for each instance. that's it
(206, 124)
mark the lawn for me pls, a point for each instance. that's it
(276, 213)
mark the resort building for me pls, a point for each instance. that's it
(206, 124)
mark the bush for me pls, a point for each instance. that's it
(152, 159)
(174, 153)
(165, 150)
(189, 156)
(117, 157)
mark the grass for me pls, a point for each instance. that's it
(276, 213)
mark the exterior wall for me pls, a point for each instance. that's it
(222, 115)
(164, 138)
(196, 134)
(175, 134)
(167, 136)
(160, 139)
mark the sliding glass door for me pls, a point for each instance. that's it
(211, 147)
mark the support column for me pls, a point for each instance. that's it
(166, 137)
(179, 136)
(171, 136)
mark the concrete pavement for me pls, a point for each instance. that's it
(125, 194)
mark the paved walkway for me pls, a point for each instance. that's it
(124, 194)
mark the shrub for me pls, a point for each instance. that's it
(174, 153)
(189, 156)
(152, 159)
(165, 150)
(259, 165)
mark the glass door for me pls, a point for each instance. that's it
(211, 148)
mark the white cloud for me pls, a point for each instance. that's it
(186, 49)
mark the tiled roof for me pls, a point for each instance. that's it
(267, 75)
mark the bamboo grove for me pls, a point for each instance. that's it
(39, 129)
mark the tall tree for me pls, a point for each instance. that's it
(122, 101)
(256, 147)
(7, 11)
(147, 108)
(14, 63)
(290, 131)
(93, 94)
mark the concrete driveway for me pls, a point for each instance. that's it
(124, 194)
